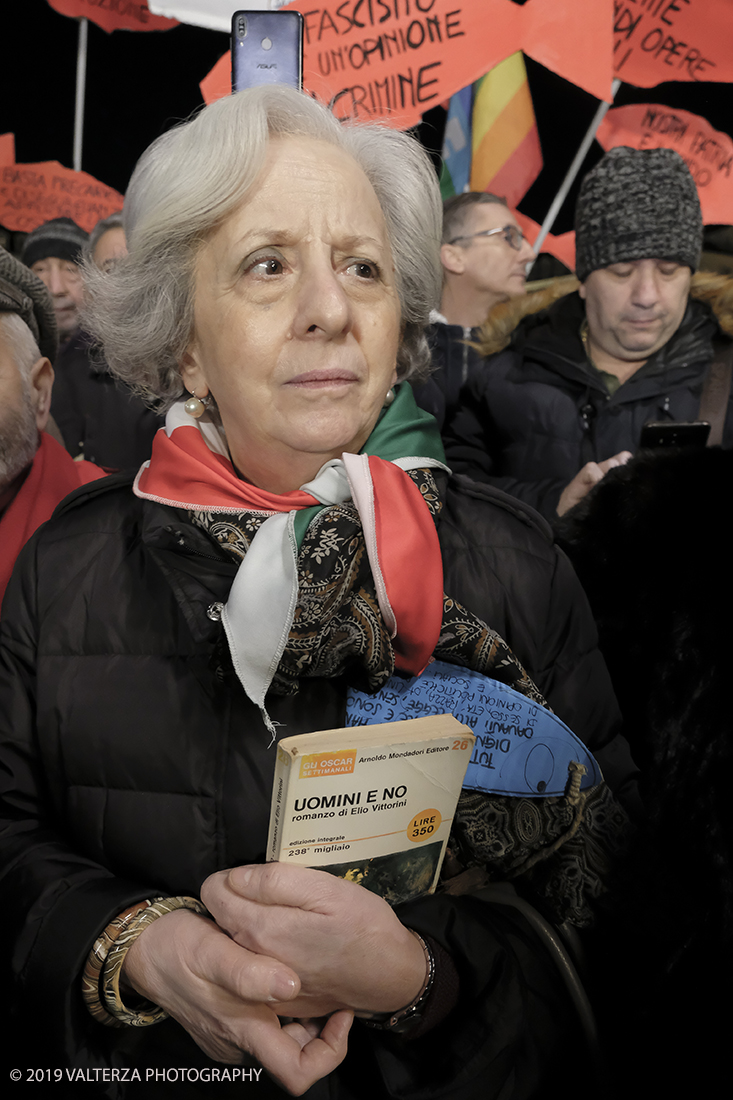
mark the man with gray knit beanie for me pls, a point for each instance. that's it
(547, 417)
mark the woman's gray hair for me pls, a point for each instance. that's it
(194, 176)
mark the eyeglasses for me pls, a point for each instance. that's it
(512, 235)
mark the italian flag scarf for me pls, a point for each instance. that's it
(190, 468)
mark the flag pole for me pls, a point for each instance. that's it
(574, 169)
(81, 77)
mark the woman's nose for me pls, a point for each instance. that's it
(323, 304)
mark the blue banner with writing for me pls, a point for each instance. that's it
(521, 748)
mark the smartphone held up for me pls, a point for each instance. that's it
(267, 48)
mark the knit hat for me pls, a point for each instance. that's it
(637, 204)
(61, 238)
(23, 293)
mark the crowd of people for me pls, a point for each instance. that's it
(290, 427)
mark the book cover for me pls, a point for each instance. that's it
(372, 804)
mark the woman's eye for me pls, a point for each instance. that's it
(268, 265)
(363, 269)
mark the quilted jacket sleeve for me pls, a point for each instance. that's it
(474, 445)
(56, 902)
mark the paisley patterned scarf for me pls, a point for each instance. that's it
(338, 628)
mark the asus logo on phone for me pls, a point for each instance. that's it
(267, 66)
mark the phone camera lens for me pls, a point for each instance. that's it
(241, 27)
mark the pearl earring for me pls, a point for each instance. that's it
(389, 398)
(195, 406)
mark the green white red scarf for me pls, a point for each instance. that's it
(190, 468)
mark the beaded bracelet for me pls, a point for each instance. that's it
(101, 976)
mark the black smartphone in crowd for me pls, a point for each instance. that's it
(664, 433)
(267, 48)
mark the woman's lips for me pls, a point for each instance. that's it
(323, 377)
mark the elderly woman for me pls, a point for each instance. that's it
(158, 637)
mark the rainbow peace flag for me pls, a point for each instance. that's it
(491, 141)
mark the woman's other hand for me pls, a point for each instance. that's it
(225, 997)
(345, 943)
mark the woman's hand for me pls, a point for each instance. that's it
(226, 997)
(345, 943)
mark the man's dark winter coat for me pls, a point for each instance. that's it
(134, 765)
(530, 417)
(99, 417)
(452, 359)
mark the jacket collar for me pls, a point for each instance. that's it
(550, 341)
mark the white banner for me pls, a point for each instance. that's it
(215, 15)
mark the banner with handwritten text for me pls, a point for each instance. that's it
(659, 40)
(114, 15)
(521, 748)
(31, 194)
(708, 153)
(392, 60)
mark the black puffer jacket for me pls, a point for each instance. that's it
(129, 765)
(451, 360)
(99, 417)
(530, 417)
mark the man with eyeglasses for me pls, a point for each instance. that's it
(547, 417)
(484, 256)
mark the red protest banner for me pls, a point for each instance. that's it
(708, 153)
(31, 194)
(7, 148)
(392, 60)
(659, 40)
(114, 15)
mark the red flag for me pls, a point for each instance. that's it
(660, 40)
(133, 15)
(708, 153)
(31, 194)
(7, 148)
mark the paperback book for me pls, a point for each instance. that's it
(372, 804)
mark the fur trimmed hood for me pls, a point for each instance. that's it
(496, 332)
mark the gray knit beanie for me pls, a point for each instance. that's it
(61, 237)
(23, 293)
(637, 204)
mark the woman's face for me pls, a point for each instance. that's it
(296, 317)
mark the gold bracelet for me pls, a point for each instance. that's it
(92, 973)
(101, 977)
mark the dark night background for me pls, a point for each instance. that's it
(140, 83)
